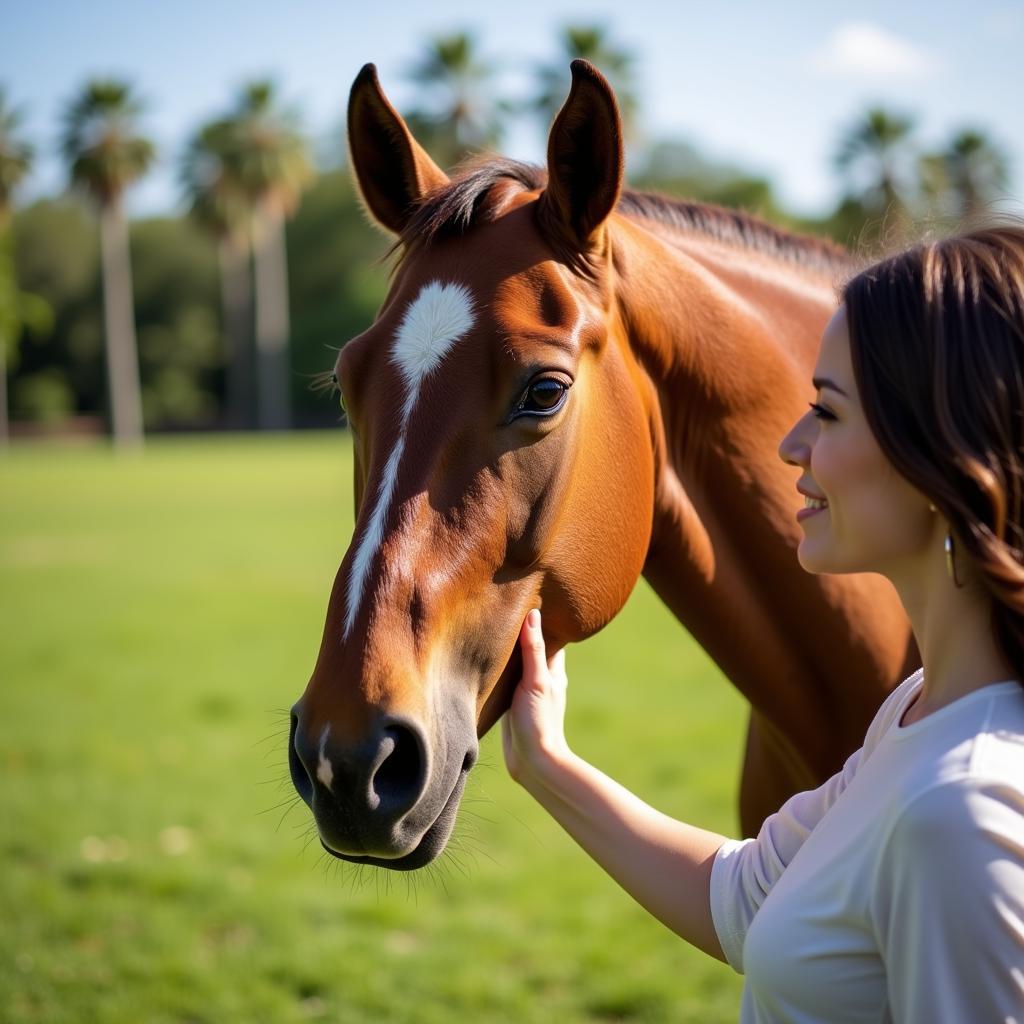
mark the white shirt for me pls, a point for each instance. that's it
(895, 891)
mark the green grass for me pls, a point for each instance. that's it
(155, 612)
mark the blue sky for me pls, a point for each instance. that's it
(768, 85)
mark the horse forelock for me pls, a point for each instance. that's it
(460, 205)
(468, 200)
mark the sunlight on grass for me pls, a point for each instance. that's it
(160, 615)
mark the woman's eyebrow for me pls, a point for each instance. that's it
(824, 382)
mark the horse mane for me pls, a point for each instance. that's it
(456, 207)
(739, 228)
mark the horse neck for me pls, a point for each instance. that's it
(726, 339)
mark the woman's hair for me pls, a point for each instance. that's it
(937, 344)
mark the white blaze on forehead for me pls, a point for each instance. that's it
(324, 769)
(434, 321)
(437, 318)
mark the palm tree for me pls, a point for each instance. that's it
(458, 113)
(876, 150)
(265, 153)
(589, 42)
(933, 184)
(220, 203)
(106, 154)
(976, 170)
(15, 161)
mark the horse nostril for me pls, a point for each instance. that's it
(401, 776)
(300, 777)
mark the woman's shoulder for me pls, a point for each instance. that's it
(964, 764)
(999, 752)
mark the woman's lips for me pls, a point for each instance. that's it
(811, 507)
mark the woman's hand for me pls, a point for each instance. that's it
(533, 728)
(663, 864)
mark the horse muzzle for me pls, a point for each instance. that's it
(389, 798)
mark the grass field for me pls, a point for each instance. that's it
(157, 614)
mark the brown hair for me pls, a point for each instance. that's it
(937, 344)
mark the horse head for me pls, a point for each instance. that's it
(502, 461)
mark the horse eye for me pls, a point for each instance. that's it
(546, 394)
(543, 395)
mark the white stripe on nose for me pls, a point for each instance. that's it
(324, 769)
(434, 321)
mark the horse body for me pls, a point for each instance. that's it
(563, 391)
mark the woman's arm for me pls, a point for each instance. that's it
(665, 865)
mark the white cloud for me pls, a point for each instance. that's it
(858, 49)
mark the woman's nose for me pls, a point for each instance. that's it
(795, 447)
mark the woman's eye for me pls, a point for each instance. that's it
(821, 412)
(544, 395)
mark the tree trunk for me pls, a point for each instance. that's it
(122, 355)
(273, 382)
(236, 300)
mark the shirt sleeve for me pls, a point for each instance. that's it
(744, 871)
(949, 905)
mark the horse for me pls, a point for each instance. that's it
(570, 384)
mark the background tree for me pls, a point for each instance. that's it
(589, 42)
(60, 368)
(976, 173)
(339, 281)
(263, 149)
(933, 185)
(61, 360)
(876, 154)
(15, 161)
(219, 202)
(457, 111)
(105, 155)
(336, 277)
(677, 168)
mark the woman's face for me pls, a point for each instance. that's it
(859, 514)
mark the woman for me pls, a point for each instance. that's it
(895, 891)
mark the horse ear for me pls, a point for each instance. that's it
(585, 161)
(393, 170)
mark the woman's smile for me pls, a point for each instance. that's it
(811, 507)
(812, 503)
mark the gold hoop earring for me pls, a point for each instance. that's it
(951, 560)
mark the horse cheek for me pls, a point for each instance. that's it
(603, 545)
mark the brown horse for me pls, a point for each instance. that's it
(569, 385)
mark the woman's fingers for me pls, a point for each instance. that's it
(535, 659)
(533, 727)
(531, 639)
